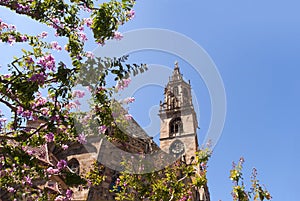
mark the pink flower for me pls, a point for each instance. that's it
(102, 129)
(40, 101)
(55, 20)
(64, 147)
(123, 84)
(78, 93)
(28, 180)
(11, 189)
(45, 111)
(19, 110)
(81, 28)
(29, 60)
(89, 54)
(44, 34)
(47, 61)
(118, 35)
(130, 14)
(88, 21)
(129, 100)
(11, 39)
(89, 88)
(55, 46)
(128, 116)
(3, 25)
(81, 138)
(23, 38)
(82, 36)
(39, 78)
(12, 27)
(52, 170)
(49, 137)
(71, 105)
(77, 103)
(61, 164)
(30, 152)
(69, 193)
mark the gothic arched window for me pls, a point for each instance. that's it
(185, 96)
(74, 165)
(175, 126)
(175, 91)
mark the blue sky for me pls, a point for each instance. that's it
(255, 46)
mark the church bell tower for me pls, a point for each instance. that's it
(179, 124)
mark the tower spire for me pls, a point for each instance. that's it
(176, 73)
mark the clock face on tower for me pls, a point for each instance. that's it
(177, 148)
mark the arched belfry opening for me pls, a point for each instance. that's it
(74, 165)
(175, 127)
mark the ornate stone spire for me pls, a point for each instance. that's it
(176, 73)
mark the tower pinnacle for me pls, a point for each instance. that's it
(176, 73)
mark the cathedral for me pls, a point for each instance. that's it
(178, 127)
(178, 134)
(178, 137)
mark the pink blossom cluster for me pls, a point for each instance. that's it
(56, 24)
(55, 46)
(123, 84)
(38, 77)
(11, 189)
(19, 7)
(44, 34)
(89, 54)
(85, 8)
(86, 118)
(118, 35)
(39, 101)
(64, 146)
(130, 14)
(11, 28)
(128, 117)
(81, 138)
(71, 105)
(49, 137)
(61, 164)
(52, 170)
(129, 100)
(82, 36)
(23, 38)
(45, 111)
(23, 8)
(24, 113)
(102, 129)
(69, 193)
(27, 180)
(78, 94)
(47, 61)
(88, 21)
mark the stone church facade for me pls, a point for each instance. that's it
(178, 137)
(178, 130)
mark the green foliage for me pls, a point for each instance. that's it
(37, 71)
(175, 182)
(239, 193)
(96, 175)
